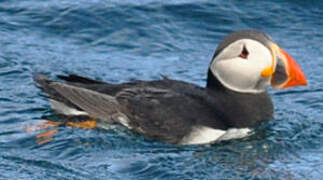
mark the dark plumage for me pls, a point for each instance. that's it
(164, 110)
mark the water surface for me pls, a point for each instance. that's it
(119, 41)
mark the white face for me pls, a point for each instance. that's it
(243, 73)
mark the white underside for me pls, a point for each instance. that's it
(204, 135)
(61, 108)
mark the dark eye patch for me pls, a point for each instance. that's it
(244, 53)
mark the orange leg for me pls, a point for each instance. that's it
(50, 128)
(46, 137)
(89, 124)
(42, 125)
(47, 134)
(44, 140)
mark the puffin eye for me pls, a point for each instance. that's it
(244, 53)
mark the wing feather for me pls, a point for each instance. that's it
(156, 112)
(98, 105)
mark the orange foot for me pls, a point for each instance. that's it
(48, 126)
(89, 124)
(42, 125)
(51, 130)
(46, 137)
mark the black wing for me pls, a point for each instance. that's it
(166, 111)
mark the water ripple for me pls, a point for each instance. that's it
(119, 41)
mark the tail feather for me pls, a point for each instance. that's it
(79, 79)
(73, 100)
(46, 85)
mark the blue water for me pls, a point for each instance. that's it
(119, 41)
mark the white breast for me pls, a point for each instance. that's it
(204, 135)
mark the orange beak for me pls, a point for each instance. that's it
(287, 72)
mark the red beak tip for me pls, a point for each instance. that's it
(296, 75)
(305, 83)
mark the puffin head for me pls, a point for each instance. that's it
(249, 61)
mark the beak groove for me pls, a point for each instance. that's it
(288, 73)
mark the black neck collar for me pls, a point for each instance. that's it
(213, 83)
(239, 109)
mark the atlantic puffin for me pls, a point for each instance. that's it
(233, 102)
